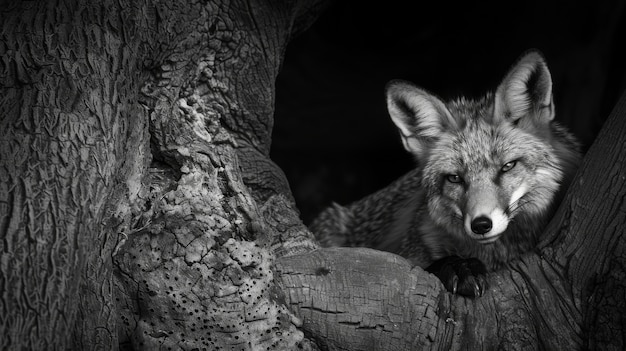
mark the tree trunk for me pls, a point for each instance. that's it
(139, 206)
(71, 73)
(127, 129)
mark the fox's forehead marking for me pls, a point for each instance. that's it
(477, 135)
(478, 147)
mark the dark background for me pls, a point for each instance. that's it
(332, 134)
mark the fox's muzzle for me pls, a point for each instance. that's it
(484, 215)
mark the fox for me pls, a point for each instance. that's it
(490, 173)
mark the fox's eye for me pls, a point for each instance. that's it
(453, 178)
(508, 166)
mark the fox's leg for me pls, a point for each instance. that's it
(463, 276)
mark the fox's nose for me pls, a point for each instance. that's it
(481, 225)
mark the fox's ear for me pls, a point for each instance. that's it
(420, 116)
(525, 94)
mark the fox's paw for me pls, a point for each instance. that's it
(463, 276)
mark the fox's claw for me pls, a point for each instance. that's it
(463, 276)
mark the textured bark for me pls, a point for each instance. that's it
(568, 295)
(70, 74)
(588, 243)
(361, 299)
(124, 129)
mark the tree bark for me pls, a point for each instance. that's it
(568, 295)
(70, 77)
(127, 128)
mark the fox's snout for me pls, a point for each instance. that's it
(486, 226)
(485, 214)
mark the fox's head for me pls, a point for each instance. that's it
(485, 162)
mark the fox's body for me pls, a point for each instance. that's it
(489, 174)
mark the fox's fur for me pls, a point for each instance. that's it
(490, 173)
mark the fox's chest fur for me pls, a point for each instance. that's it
(490, 173)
